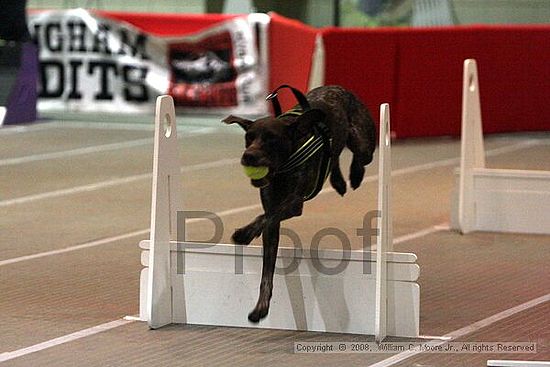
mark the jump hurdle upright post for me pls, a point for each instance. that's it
(209, 290)
(489, 199)
(384, 241)
(166, 202)
(472, 147)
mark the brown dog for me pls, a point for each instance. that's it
(299, 149)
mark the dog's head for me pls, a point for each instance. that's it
(270, 141)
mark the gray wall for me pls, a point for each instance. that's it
(502, 11)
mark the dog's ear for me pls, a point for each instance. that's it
(244, 123)
(304, 123)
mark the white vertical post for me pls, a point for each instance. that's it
(384, 241)
(317, 72)
(472, 154)
(165, 204)
(3, 112)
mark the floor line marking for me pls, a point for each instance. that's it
(73, 124)
(92, 149)
(469, 329)
(74, 152)
(451, 161)
(17, 129)
(124, 236)
(95, 243)
(63, 339)
(110, 183)
(448, 162)
(421, 233)
(384, 363)
(223, 213)
(128, 319)
(128, 179)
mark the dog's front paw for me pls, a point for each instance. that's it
(258, 313)
(242, 236)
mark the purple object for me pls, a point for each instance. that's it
(21, 106)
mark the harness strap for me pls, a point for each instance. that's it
(295, 111)
(324, 166)
(320, 140)
(302, 100)
(306, 151)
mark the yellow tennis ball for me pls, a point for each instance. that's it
(256, 173)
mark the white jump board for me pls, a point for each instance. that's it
(501, 200)
(210, 292)
(509, 200)
(516, 363)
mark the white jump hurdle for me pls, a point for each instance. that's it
(210, 292)
(512, 363)
(501, 200)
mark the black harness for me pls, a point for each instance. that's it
(318, 145)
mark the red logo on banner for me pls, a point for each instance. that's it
(202, 73)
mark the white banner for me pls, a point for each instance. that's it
(91, 63)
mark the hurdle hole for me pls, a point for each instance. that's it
(471, 83)
(167, 125)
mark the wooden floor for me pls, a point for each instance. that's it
(75, 200)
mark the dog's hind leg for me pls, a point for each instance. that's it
(357, 172)
(361, 141)
(336, 179)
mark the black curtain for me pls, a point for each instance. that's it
(13, 20)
